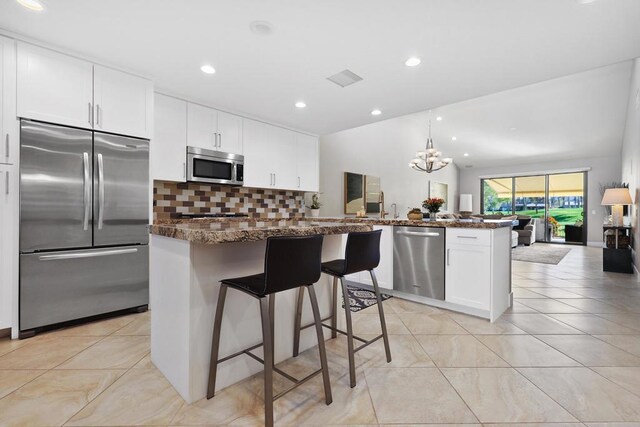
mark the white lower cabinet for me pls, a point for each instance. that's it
(8, 243)
(384, 271)
(478, 269)
(169, 143)
(467, 275)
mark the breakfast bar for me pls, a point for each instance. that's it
(188, 258)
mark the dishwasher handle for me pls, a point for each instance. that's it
(419, 234)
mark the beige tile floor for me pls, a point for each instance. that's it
(566, 354)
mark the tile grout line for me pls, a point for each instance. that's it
(442, 374)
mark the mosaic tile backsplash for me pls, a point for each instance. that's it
(171, 199)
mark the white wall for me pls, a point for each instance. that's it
(382, 149)
(602, 170)
(631, 151)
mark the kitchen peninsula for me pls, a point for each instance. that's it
(189, 257)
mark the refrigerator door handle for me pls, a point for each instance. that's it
(100, 191)
(86, 254)
(87, 192)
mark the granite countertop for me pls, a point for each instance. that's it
(446, 223)
(218, 230)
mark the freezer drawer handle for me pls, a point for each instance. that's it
(416, 233)
(87, 192)
(100, 191)
(86, 254)
(467, 237)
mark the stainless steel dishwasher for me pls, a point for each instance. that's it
(418, 261)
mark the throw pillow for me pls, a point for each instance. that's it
(522, 222)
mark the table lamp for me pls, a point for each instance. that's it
(466, 205)
(616, 198)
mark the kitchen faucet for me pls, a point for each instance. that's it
(381, 203)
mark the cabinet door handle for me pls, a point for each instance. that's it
(90, 113)
(6, 183)
(219, 140)
(274, 179)
(98, 115)
(215, 140)
(448, 256)
(298, 182)
(6, 142)
(184, 171)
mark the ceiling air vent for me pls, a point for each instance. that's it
(345, 78)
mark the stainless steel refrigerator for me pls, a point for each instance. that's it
(84, 209)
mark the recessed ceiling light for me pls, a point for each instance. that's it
(453, 138)
(412, 62)
(208, 69)
(376, 112)
(439, 118)
(466, 154)
(300, 104)
(261, 28)
(513, 128)
(34, 5)
(586, 1)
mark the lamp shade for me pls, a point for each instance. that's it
(466, 203)
(616, 196)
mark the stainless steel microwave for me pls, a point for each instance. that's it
(214, 167)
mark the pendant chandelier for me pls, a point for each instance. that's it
(429, 160)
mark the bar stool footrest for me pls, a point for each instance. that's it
(296, 382)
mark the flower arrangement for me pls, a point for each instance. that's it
(433, 204)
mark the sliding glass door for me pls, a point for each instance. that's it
(556, 201)
(566, 207)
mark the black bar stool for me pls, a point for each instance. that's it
(290, 262)
(361, 254)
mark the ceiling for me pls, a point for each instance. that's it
(468, 48)
(577, 116)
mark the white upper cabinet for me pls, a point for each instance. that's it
(8, 123)
(282, 145)
(229, 133)
(53, 87)
(279, 158)
(123, 103)
(213, 130)
(258, 156)
(169, 142)
(202, 127)
(60, 89)
(307, 163)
